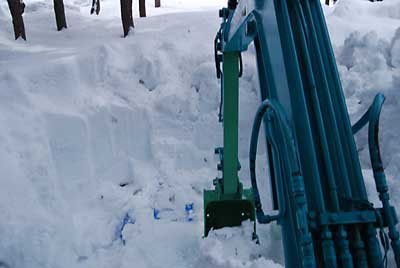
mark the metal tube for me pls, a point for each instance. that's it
(288, 153)
(344, 254)
(230, 80)
(302, 126)
(379, 175)
(343, 244)
(350, 153)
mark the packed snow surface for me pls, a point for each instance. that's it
(98, 132)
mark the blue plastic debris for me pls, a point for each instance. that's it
(126, 220)
(189, 209)
(80, 259)
(156, 213)
(165, 214)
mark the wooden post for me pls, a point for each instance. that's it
(60, 14)
(157, 3)
(17, 9)
(142, 8)
(126, 16)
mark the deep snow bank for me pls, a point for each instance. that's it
(368, 63)
(94, 127)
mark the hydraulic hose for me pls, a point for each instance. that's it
(284, 129)
(261, 217)
(287, 155)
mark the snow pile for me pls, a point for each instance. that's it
(348, 16)
(368, 61)
(229, 247)
(94, 127)
(367, 73)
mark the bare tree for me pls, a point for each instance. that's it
(95, 7)
(157, 3)
(142, 8)
(60, 14)
(17, 9)
(126, 16)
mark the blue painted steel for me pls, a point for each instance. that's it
(318, 187)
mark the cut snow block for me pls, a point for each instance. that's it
(68, 139)
(120, 170)
(130, 132)
(100, 141)
(148, 70)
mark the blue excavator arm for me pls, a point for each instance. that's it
(318, 187)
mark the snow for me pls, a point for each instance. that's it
(94, 127)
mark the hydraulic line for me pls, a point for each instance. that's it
(333, 89)
(295, 184)
(344, 255)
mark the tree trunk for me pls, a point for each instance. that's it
(95, 7)
(60, 14)
(157, 3)
(142, 8)
(16, 10)
(126, 16)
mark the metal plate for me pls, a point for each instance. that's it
(227, 213)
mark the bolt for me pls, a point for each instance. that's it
(251, 28)
(244, 11)
(333, 217)
(224, 13)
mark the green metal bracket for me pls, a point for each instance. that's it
(230, 79)
(228, 204)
